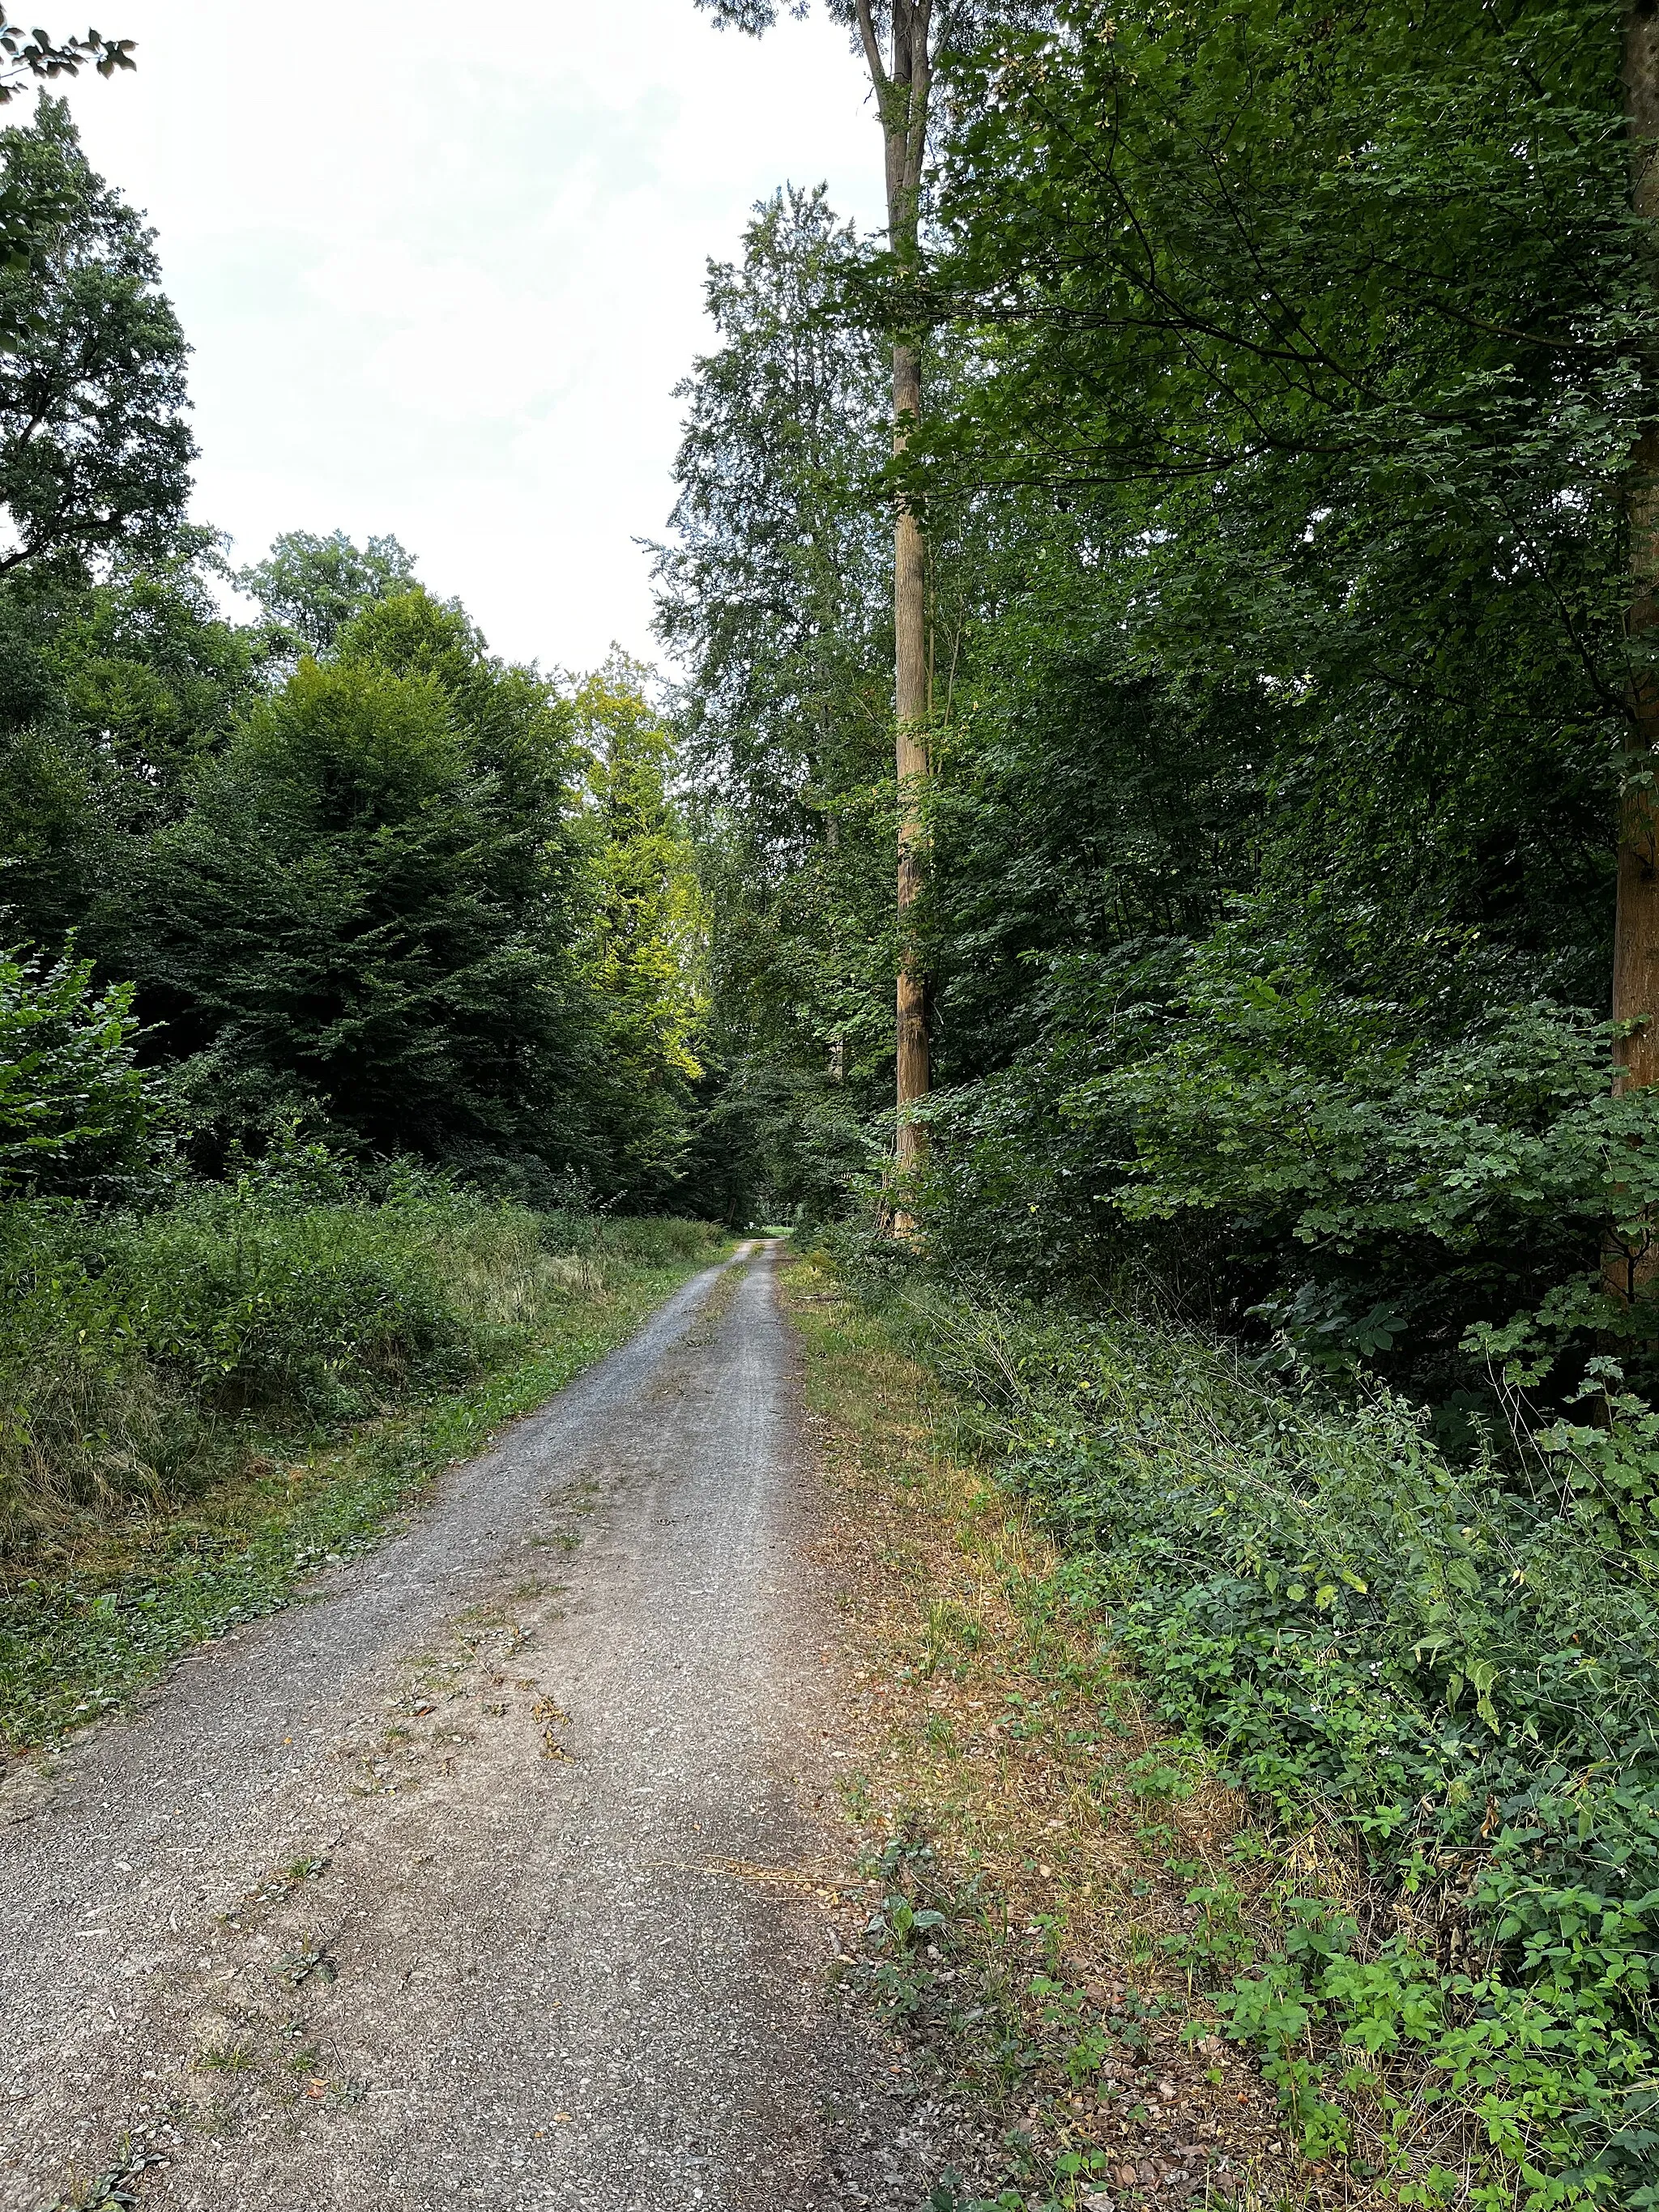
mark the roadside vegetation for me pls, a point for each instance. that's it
(209, 1401)
(1236, 1725)
(351, 999)
(1016, 1893)
(1242, 663)
(1277, 938)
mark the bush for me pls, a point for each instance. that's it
(654, 1240)
(1397, 1151)
(72, 1102)
(1458, 1670)
(372, 902)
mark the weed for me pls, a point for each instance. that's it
(1436, 1689)
(227, 2059)
(117, 2190)
(855, 1795)
(311, 1963)
(1026, 1993)
(551, 1718)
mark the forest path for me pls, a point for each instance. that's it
(496, 1873)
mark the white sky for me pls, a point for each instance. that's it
(442, 266)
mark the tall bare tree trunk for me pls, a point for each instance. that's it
(911, 702)
(903, 89)
(837, 1067)
(1630, 1264)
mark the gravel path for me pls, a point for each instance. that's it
(495, 1875)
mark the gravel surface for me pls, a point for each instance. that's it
(497, 1873)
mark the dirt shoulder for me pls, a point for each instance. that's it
(1007, 1781)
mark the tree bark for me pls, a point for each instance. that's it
(901, 91)
(1630, 1264)
(838, 1067)
(911, 702)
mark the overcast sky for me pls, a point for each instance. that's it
(442, 266)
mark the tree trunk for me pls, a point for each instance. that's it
(837, 1067)
(911, 703)
(902, 97)
(1630, 1264)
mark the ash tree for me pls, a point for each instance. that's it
(309, 586)
(770, 592)
(774, 593)
(647, 932)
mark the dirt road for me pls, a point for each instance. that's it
(493, 1874)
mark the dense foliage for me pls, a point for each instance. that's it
(1285, 365)
(338, 863)
(770, 596)
(1435, 1676)
(71, 1094)
(95, 451)
(370, 901)
(312, 587)
(1337, 539)
(346, 967)
(148, 1352)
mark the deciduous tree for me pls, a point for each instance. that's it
(371, 904)
(311, 587)
(647, 950)
(898, 41)
(94, 448)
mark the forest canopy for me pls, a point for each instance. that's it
(340, 866)
(1282, 451)
(1283, 371)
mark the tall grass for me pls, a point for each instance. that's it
(139, 1353)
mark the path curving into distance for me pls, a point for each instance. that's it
(494, 1874)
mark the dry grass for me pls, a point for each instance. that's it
(991, 1720)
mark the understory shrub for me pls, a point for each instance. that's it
(1398, 1152)
(74, 1111)
(1453, 1671)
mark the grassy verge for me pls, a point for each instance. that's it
(1028, 1864)
(1262, 1809)
(102, 1584)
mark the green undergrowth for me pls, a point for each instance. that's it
(1002, 2007)
(205, 1406)
(1436, 1685)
